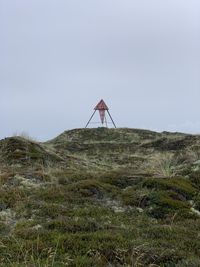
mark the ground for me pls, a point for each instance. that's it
(100, 197)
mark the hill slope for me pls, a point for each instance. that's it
(100, 197)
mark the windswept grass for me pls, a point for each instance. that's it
(100, 197)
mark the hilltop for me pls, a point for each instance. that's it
(100, 197)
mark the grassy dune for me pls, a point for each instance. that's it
(100, 197)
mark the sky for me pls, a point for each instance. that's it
(58, 58)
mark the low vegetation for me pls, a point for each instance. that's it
(100, 197)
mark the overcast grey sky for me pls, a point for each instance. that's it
(59, 58)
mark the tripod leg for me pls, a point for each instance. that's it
(90, 119)
(111, 119)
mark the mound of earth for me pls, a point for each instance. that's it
(19, 150)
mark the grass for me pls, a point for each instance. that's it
(100, 198)
(25, 136)
(92, 234)
(180, 185)
(163, 164)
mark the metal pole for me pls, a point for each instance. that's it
(111, 118)
(90, 119)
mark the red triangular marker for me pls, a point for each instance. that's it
(101, 106)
